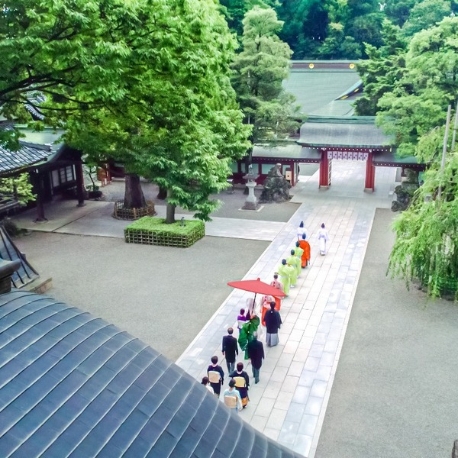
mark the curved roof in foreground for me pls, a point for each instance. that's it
(72, 384)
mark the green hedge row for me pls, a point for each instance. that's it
(154, 231)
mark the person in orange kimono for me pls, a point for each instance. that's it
(276, 284)
(265, 307)
(305, 258)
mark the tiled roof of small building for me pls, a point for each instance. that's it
(72, 384)
(35, 148)
(26, 156)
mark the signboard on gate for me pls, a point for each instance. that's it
(348, 155)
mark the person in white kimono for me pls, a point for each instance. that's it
(323, 237)
(301, 230)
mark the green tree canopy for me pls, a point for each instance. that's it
(179, 124)
(425, 14)
(398, 11)
(426, 246)
(419, 99)
(53, 48)
(351, 24)
(235, 10)
(382, 71)
(259, 71)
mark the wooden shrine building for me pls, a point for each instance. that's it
(53, 168)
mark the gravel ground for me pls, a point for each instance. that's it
(231, 203)
(162, 295)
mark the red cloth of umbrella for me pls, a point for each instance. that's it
(257, 286)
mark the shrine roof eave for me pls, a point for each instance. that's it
(389, 159)
(341, 147)
(279, 160)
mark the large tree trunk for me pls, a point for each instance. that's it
(170, 217)
(162, 194)
(170, 214)
(133, 196)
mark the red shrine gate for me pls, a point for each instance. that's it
(357, 154)
(324, 139)
(355, 138)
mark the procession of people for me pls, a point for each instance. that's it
(256, 320)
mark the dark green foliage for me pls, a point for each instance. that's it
(418, 99)
(258, 72)
(425, 14)
(382, 71)
(426, 247)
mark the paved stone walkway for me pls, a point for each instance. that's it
(290, 400)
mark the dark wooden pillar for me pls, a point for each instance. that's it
(370, 174)
(37, 182)
(325, 181)
(79, 182)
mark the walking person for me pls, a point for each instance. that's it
(241, 319)
(298, 252)
(230, 350)
(242, 383)
(301, 230)
(206, 383)
(305, 259)
(273, 324)
(294, 262)
(215, 375)
(276, 284)
(285, 272)
(323, 237)
(232, 397)
(255, 351)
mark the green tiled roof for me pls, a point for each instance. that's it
(358, 131)
(290, 151)
(318, 89)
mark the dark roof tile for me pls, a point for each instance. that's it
(72, 385)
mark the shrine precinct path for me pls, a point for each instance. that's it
(289, 402)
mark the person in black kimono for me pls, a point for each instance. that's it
(215, 375)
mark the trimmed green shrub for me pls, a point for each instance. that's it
(154, 231)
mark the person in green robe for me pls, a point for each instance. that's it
(293, 262)
(247, 332)
(285, 271)
(298, 252)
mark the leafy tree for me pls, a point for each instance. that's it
(397, 11)
(18, 188)
(52, 47)
(382, 71)
(351, 23)
(258, 74)
(179, 124)
(425, 14)
(419, 99)
(305, 25)
(426, 246)
(235, 10)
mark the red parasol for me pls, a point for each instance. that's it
(258, 287)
